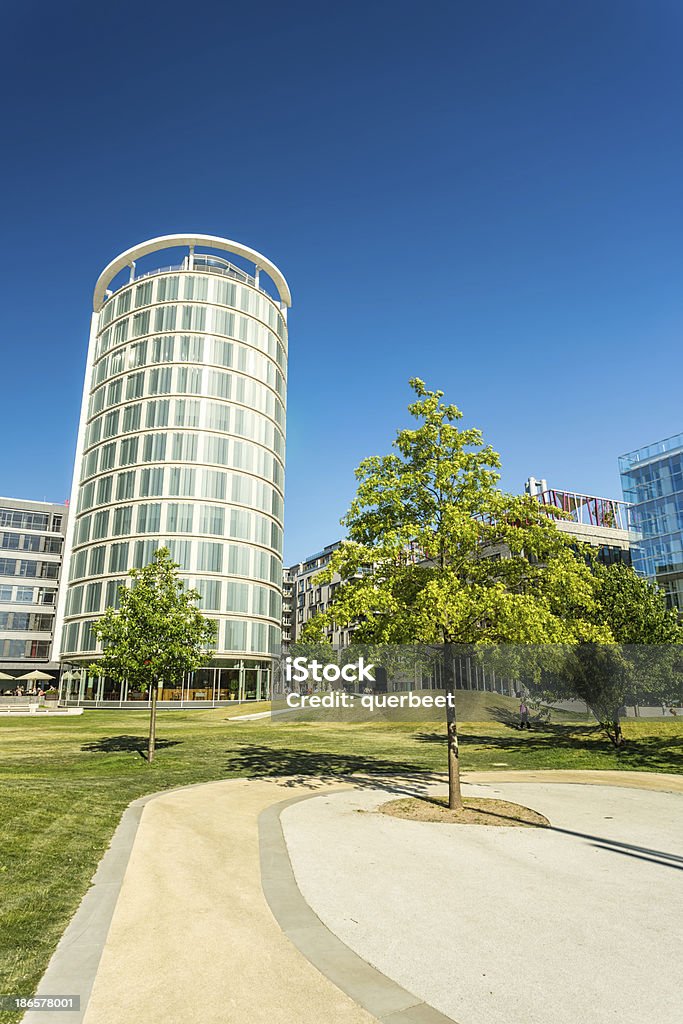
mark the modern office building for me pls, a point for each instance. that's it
(652, 481)
(181, 444)
(31, 542)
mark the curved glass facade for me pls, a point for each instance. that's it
(182, 445)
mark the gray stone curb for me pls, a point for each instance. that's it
(379, 995)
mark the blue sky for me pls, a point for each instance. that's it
(487, 196)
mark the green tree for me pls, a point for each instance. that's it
(437, 554)
(156, 634)
(643, 659)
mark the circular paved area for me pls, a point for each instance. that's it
(581, 922)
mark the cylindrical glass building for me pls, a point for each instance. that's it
(182, 444)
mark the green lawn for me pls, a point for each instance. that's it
(65, 782)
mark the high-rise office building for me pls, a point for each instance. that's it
(181, 444)
(31, 541)
(652, 481)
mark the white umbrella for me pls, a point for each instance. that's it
(36, 675)
(3, 675)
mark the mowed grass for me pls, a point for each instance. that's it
(64, 783)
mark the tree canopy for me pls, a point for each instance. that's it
(157, 633)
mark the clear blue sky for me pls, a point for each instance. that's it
(485, 195)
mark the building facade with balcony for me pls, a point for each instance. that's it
(181, 444)
(603, 523)
(31, 550)
(652, 482)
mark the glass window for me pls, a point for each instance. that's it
(210, 556)
(237, 596)
(141, 323)
(225, 292)
(235, 636)
(210, 591)
(149, 518)
(165, 319)
(238, 560)
(184, 447)
(240, 523)
(128, 451)
(118, 557)
(108, 457)
(114, 392)
(181, 482)
(191, 349)
(224, 323)
(222, 352)
(196, 288)
(76, 600)
(97, 401)
(97, 561)
(24, 595)
(93, 596)
(179, 518)
(131, 417)
(186, 412)
(118, 361)
(112, 599)
(138, 354)
(100, 524)
(143, 294)
(189, 380)
(123, 517)
(144, 552)
(151, 482)
(181, 552)
(121, 332)
(154, 448)
(218, 416)
(135, 385)
(83, 530)
(123, 303)
(157, 413)
(104, 490)
(125, 485)
(193, 318)
(212, 519)
(160, 381)
(6, 593)
(111, 423)
(220, 384)
(167, 289)
(216, 450)
(213, 484)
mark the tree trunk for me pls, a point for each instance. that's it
(454, 792)
(151, 744)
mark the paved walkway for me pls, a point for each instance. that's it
(581, 922)
(191, 936)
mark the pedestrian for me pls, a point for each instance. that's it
(524, 716)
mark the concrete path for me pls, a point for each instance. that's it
(192, 938)
(191, 935)
(582, 922)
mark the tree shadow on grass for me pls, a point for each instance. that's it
(313, 769)
(125, 744)
(660, 753)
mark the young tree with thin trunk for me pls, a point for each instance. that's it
(157, 633)
(437, 554)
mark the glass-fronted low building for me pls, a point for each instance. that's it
(652, 481)
(181, 444)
